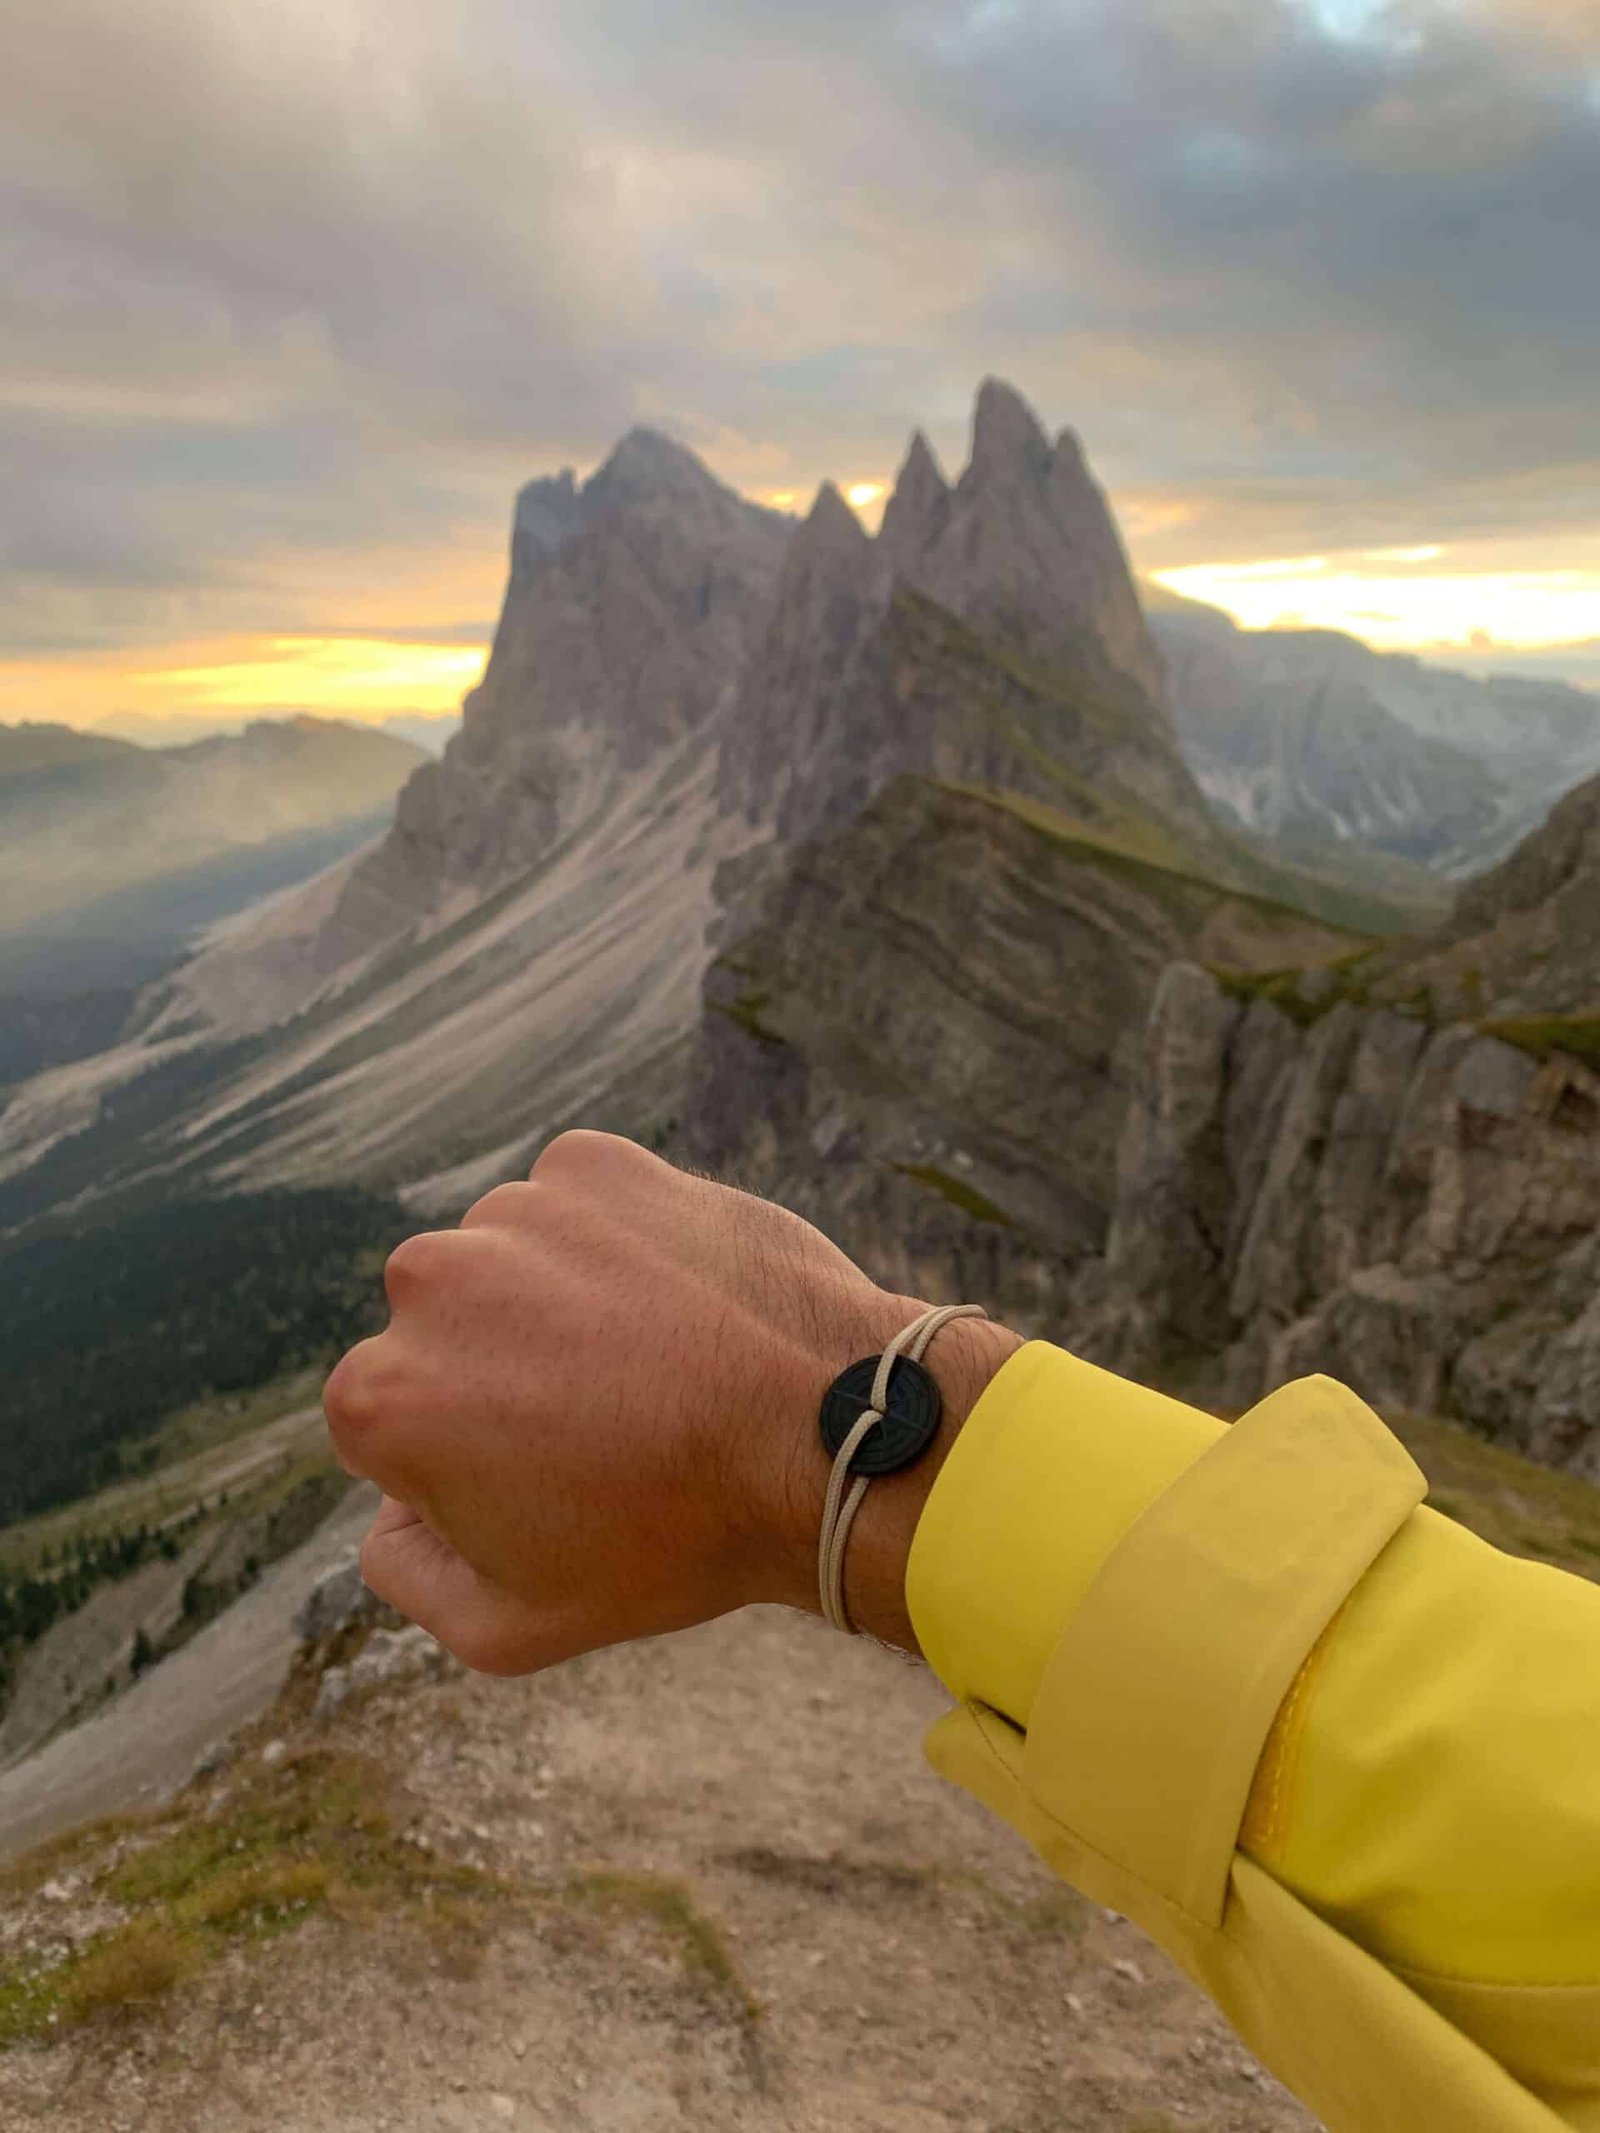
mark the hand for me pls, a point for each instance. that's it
(593, 1413)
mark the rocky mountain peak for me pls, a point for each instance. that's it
(682, 682)
(623, 632)
(1008, 440)
(648, 465)
(830, 528)
(546, 514)
(1025, 549)
(915, 513)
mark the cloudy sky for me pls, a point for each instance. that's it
(293, 293)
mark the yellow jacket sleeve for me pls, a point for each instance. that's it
(1339, 1757)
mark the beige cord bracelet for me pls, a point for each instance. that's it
(877, 1416)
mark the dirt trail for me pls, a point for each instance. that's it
(868, 1951)
(146, 1743)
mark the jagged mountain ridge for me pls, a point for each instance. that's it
(991, 634)
(678, 679)
(1313, 738)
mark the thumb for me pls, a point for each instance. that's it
(407, 1564)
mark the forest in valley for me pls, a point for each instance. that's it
(110, 1330)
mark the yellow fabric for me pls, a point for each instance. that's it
(1341, 1759)
(990, 1637)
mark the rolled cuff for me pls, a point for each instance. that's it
(1055, 1463)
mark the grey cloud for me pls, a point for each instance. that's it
(316, 275)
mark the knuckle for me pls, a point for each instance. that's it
(364, 1399)
(349, 1398)
(581, 1152)
(415, 1264)
(506, 1204)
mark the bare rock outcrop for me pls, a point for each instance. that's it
(1413, 1208)
(1525, 937)
(929, 1042)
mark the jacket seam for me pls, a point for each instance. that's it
(1285, 1755)
(1486, 1985)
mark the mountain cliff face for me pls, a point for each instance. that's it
(1408, 1207)
(930, 1041)
(1391, 1172)
(1314, 739)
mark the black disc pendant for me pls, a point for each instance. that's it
(910, 1422)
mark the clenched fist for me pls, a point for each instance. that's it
(593, 1413)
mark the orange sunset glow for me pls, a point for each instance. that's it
(220, 682)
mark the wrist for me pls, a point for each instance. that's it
(962, 1359)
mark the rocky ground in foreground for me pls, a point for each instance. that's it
(703, 1882)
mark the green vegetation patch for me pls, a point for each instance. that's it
(1095, 828)
(313, 1833)
(1527, 1510)
(1305, 995)
(1142, 851)
(959, 1194)
(1578, 1036)
(1057, 1912)
(747, 1010)
(670, 1907)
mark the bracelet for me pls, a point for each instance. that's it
(877, 1416)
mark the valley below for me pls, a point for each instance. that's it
(218, 1518)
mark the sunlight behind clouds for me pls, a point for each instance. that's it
(1398, 611)
(352, 677)
(1304, 275)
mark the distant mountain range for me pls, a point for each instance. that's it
(873, 870)
(114, 857)
(1316, 741)
(430, 734)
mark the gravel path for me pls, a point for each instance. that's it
(888, 1958)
